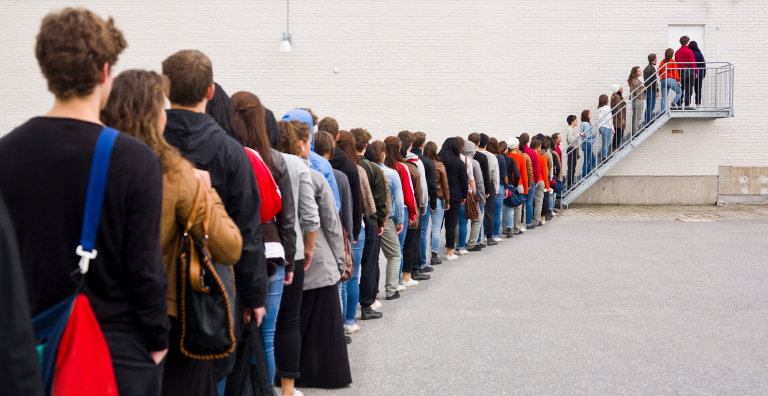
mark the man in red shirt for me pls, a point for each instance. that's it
(524, 139)
(686, 64)
(522, 187)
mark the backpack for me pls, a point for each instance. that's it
(271, 199)
(74, 356)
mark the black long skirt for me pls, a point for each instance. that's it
(183, 376)
(324, 361)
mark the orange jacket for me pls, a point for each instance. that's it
(544, 171)
(670, 71)
(520, 161)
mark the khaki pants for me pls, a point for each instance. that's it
(538, 201)
(474, 230)
(518, 217)
(390, 245)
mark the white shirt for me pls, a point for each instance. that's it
(605, 118)
(468, 164)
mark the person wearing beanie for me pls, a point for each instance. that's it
(619, 111)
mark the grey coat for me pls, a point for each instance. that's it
(469, 152)
(345, 193)
(328, 261)
(305, 207)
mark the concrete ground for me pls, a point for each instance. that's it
(580, 307)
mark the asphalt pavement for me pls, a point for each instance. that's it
(580, 308)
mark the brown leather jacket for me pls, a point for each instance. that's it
(416, 180)
(442, 181)
(224, 240)
(619, 114)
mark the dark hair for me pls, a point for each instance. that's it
(632, 75)
(461, 143)
(684, 40)
(602, 101)
(420, 138)
(449, 153)
(492, 146)
(570, 119)
(503, 147)
(346, 144)
(72, 47)
(555, 136)
(191, 73)
(483, 140)
(404, 147)
(668, 54)
(651, 58)
(249, 118)
(272, 132)
(376, 148)
(524, 139)
(362, 137)
(535, 143)
(221, 109)
(430, 151)
(392, 148)
(289, 142)
(585, 116)
(409, 138)
(546, 143)
(325, 144)
(694, 46)
(370, 154)
(329, 125)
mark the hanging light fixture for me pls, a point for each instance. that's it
(285, 45)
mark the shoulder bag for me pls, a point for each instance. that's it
(471, 207)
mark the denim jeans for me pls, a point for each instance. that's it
(462, 227)
(605, 135)
(479, 227)
(589, 159)
(666, 85)
(497, 212)
(650, 105)
(350, 289)
(437, 222)
(424, 232)
(529, 205)
(269, 322)
(402, 239)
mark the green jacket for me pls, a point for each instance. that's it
(651, 78)
(379, 190)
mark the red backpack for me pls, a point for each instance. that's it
(271, 200)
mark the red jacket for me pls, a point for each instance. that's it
(684, 57)
(535, 164)
(408, 197)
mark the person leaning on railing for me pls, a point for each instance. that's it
(651, 82)
(636, 96)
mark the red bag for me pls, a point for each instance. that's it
(271, 200)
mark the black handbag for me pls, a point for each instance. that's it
(204, 309)
(557, 185)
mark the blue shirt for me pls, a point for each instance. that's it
(397, 203)
(588, 137)
(316, 162)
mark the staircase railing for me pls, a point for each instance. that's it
(598, 152)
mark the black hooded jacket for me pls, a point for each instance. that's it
(429, 170)
(342, 163)
(202, 141)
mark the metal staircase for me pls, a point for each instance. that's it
(716, 102)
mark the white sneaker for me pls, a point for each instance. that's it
(411, 282)
(296, 392)
(376, 304)
(497, 239)
(543, 222)
(463, 252)
(350, 329)
(401, 288)
(452, 257)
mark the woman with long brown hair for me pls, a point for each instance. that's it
(443, 200)
(279, 233)
(136, 106)
(636, 96)
(394, 160)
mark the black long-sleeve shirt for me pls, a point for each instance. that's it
(482, 159)
(513, 174)
(458, 181)
(203, 142)
(44, 170)
(342, 163)
(429, 170)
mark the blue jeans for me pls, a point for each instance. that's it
(589, 157)
(666, 85)
(350, 290)
(463, 227)
(529, 205)
(402, 239)
(497, 213)
(437, 223)
(482, 225)
(269, 322)
(424, 233)
(606, 135)
(650, 105)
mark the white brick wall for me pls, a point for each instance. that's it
(444, 67)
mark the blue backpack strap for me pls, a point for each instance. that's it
(95, 196)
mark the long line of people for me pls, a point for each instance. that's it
(290, 216)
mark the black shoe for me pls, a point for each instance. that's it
(426, 269)
(509, 233)
(435, 259)
(518, 232)
(555, 211)
(482, 246)
(348, 339)
(491, 242)
(548, 217)
(475, 249)
(690, 108)
(394, 296)
(530, 227)
(368, 313)
(417, 275)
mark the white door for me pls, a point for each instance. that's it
(695, 32)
